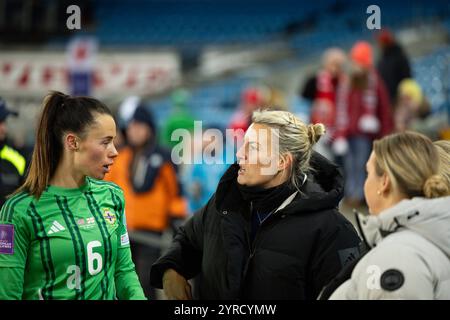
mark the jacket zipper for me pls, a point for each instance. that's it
(252, 245)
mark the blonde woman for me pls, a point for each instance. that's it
(408, 227)
(272, 229)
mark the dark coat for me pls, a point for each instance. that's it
(12, 169)
(296, 251)
(393, 68)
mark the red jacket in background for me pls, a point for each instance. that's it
(383, 112)
(330, 103)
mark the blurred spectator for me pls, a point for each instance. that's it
(308, 90)
(201, 179)
(12, 163)
(411, 104)
(330, 101)
(123, 117)
(369, 117)
(393, 65)
(413, 112)
(434, 125)
(251, 99)
(180, 117)
(276, 100)
(152, 193)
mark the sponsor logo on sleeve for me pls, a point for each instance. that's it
(124, 239)
(6, 239)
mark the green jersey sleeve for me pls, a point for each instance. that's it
(15, 238)
(127, 281)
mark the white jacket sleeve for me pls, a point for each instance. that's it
(390, 271)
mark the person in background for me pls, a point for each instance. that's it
(123, 116)
(63, 232)
(409, 205)
(393, 65)
(148, 177)
(272, 229)
(252, 98)
(275, 98)
(12, 163)
(309, 87)
(413, 112)
(369, 117)
(201, 179)
(330, 102)
(180, 117)
(411, 105)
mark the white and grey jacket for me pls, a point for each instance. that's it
(410, 258)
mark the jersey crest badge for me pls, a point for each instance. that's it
(109, 216)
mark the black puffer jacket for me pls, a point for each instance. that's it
(296, 251)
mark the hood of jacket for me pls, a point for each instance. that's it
(322, 190)
(429, 218)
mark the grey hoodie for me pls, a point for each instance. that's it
(411, 254)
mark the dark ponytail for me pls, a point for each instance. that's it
(61, 114)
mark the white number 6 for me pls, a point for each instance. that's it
(94, 256)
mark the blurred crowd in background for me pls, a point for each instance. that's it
(162, 65)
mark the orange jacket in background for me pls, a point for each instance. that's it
(153, 209)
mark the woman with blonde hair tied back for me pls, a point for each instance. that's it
(408, 226)
(443, 147)
(272, 230)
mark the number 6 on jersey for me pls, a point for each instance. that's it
(73, 282)
(94, 256)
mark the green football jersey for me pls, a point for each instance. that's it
(70, 244)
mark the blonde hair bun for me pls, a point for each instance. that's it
(315, 131)
(435, 187)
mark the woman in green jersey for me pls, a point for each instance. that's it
(63, 232)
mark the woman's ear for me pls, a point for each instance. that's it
(71, 142)
(284, 162)
(386, 184)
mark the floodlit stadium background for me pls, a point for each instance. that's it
(201, 54)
